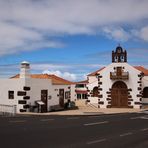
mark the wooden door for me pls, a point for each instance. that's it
(44, 96)
(61, 97)
(123, 95)
(114, 96)
(119, 95)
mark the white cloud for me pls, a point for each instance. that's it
(15, 39)
(61, 16)
(144, 33)
(65, 75)
(118, 34)
(63, 67)
(141, 33)
(44, 66)
(70, 72)
(31, 24)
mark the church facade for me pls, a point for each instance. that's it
(118, 85)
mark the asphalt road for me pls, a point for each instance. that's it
(95, 131)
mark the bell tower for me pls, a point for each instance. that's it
(119, 56)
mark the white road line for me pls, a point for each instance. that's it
(17, 121)
(135, 117)
(46, 119)
(144, 129)
(146, 112)
(95, 123)
(126, 134)
(144, 117)
(96, 141)
(140, 117)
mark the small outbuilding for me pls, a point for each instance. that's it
(35, 92)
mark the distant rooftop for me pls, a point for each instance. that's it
(55, 79)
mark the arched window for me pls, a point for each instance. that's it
(95, 92)
(145, 92)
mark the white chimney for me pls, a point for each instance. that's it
(25, 70)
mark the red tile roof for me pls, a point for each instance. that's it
(55, 79)
(142, 69)
(94, 73)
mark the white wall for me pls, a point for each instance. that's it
(92, 82)
(55, 93)
(107, 82)
(53, 90)
(36, 86)
(73, 93)
(12, 85)
(131, 82)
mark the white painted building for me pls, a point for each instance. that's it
(81, 90)
(118, 85)
(35, 92)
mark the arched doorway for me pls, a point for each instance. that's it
(95, 92)
(145, 92)
(119, 95)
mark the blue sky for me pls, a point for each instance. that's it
(71, 38)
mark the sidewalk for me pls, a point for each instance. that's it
(87, 109)
(88, 112)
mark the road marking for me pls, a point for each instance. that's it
(17, 121)
(135, 117)
(46, 119)
(126, 134)
(139, 117)
(144, 117)
(146, 112)
(73, 118)
(144, 129)
(96, 141)
(95, 123)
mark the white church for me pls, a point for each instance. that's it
(118, 85)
